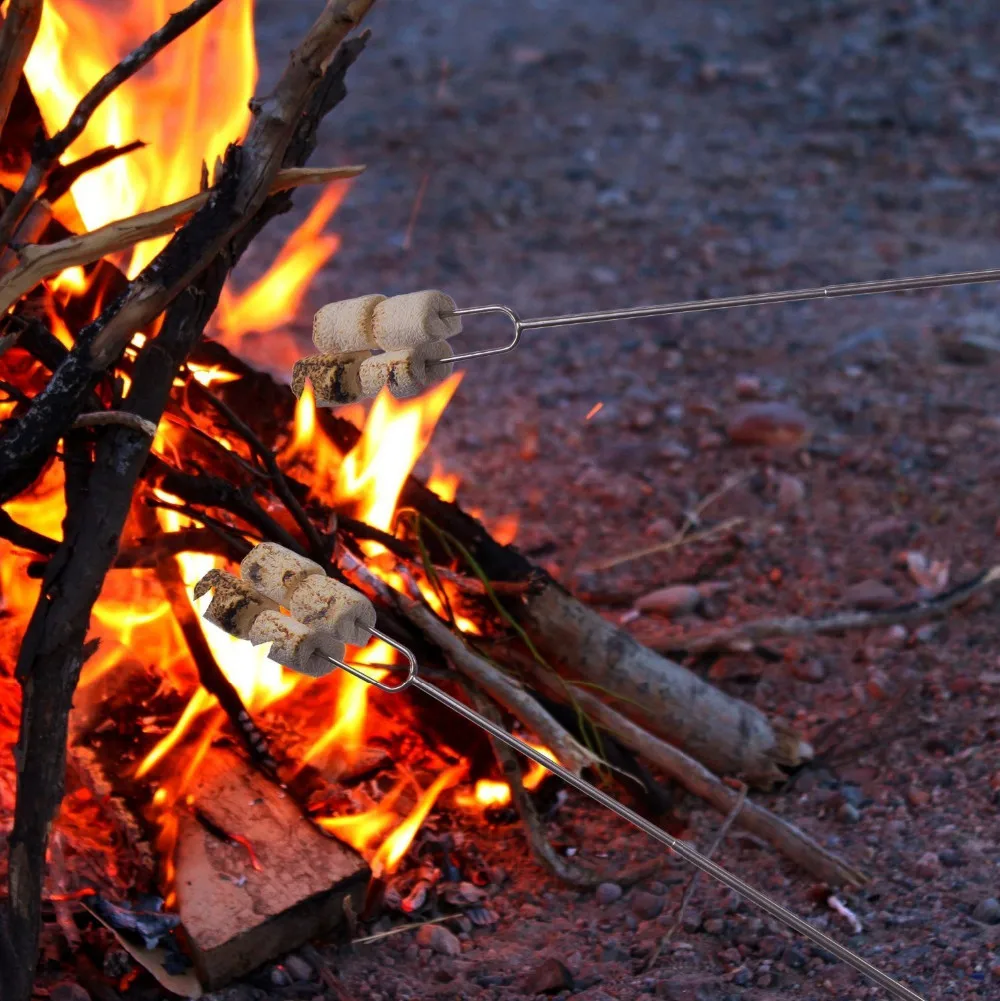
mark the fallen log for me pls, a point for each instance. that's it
(255, 879)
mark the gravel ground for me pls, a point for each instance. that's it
(568, 156)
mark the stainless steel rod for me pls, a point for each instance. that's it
(764, 298)
(687, 853)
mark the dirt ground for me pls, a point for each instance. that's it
(570, 155)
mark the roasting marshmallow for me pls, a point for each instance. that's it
(294, 645)
(276, 571)
(406, 321)
(234, 605)
(346, 325)
(334, 609)
(406, 373)
(336, 379)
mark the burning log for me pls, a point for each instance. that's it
(255, 879)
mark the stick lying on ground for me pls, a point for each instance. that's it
(743, 638)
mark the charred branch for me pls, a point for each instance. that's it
(20, 27)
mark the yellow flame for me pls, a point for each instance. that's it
(188, 105)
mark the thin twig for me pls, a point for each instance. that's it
(62, 177)
(38, 261)
(48, 151)
(318, 546)
(17, 36)
(399, 929)
(102, 418)
(693, 881)
(540, 845)
(692, 519)
(743, 638)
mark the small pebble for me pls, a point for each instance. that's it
(987, 911)
(66, 990)
(438, 938)
(791, 493)
(646, 905)
(813, 670)
(928, 866)
(298, 968)
(672, 602)
(847, 813)
(550, 977)
(776, 425)
(608, 893)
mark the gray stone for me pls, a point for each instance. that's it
(608, 893)
(646, 905)
(987, 911)
(438, 938)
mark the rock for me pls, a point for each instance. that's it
(791, 492)
(66, 990)
(672, 602)
(813, 670)
(608, 893)
(646, 905)
(793, 959)
(298, 968)
(776, 425)
(847, 813)
(550, 977)
(987, 911)
(714, 926)
(870, 595)
(976, 343)
(928, 866)
(438, 938)
(747, 387)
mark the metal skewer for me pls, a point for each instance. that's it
(726, 302)
(689, 854)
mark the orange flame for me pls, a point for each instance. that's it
(394, 847)
(187, 105)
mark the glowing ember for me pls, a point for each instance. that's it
(394, 847)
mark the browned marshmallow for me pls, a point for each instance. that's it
(294, 645)
(346, 325)
(334, 609)
(336, 379)
(234, 605)
(408, 372)
(276, 571)
(405, 321)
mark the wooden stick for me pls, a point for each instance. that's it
(49, 151)
(39, 261)
(102, 418)
(20, 27)
(743, 638)
(782, 835)
(725, 734)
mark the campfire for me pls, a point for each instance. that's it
(149, 436)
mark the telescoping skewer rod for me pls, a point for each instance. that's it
(726, 302)
(686, 852)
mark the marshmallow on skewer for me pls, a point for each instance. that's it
(336, 378)
(408, 372)
(334, 609)
(235, 604)
(405, 321)
(294, 645)
(347, 325)
(277, 571)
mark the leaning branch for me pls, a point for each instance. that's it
(48, 151)
(39, 261)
